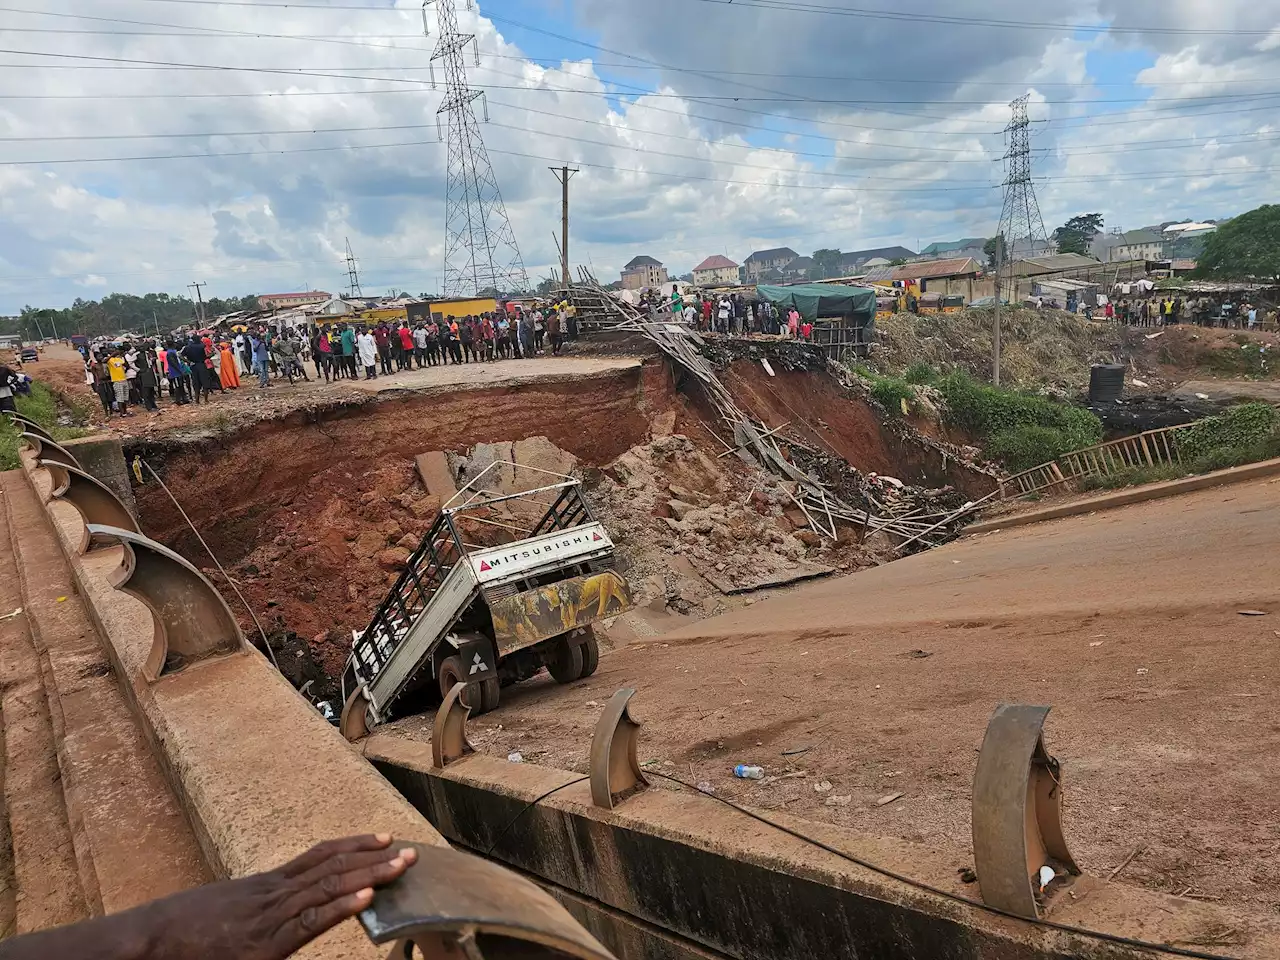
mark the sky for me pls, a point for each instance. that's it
(149, 144)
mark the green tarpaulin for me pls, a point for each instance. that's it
(815, 300)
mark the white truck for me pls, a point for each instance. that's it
(487, 615)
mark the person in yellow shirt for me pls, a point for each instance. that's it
(119, 381)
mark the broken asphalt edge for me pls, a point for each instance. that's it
(1123, 498)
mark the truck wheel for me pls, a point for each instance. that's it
(453, 671)
(590, 654)
(567, 666)
(490, 691)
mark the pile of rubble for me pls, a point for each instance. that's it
(690, 529)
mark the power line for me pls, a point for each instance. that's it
(805, 7)
(950, 20)
(735, 98)
(639, 64)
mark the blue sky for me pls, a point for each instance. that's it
(899, 144)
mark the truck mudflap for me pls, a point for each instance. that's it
(524, 619)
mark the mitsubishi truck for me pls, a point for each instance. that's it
(487, 615)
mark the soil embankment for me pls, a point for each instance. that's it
(314, 514)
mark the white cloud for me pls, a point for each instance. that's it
(677, 173)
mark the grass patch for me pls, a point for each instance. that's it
(895, 394)
(1135, 477)
(1020, 429)
(40, 405)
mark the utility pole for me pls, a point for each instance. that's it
(995, 334)
(1020, 220)
(156, 321)
(564, 175)
(200, 312)
(353, 275)
(54, 325)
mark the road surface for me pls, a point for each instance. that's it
(1126, 622)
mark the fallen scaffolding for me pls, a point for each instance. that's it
(887, 506)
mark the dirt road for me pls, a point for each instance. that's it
(62, 367)
(1126, 622)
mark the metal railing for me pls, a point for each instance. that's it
(1152, 448)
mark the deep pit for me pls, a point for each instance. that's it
(314, 514)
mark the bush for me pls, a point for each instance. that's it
(1248, 426)
(987, 413)
(920, 373)
(1028, 446)
(893, 394)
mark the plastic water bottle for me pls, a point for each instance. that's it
(744, 771)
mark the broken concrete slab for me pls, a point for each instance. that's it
(765, 579)
(433, 467)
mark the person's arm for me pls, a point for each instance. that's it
(267, 916)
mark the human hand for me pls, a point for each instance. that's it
(271, 915)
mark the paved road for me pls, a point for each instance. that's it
(1126, 622)
(62, 367)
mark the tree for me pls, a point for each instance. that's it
(826, 264)
(993, 250)
(546, 286)
(1077, 234)
(898, 262)
(1247, 246)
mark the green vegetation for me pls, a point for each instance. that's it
(1248, 428)
(1134, 477)
(117, 313)
(1077, 234)
(1246, 247)
(895, 394)
(920, 373)
(41, 405)
(1022, 430)
(1244, 434)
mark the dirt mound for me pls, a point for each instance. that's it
(1038, 347)
(1052, 348)
(692, 528)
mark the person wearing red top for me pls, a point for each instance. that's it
(406, 345)
(382, 338)
(706, 314)
(806, 331)
(486, 335)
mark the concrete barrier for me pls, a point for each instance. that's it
(103, 459)
(680, 875)
(259, 773)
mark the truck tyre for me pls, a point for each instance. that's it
(490, 692)
(567, 665)
(452, 670)
(590, 654)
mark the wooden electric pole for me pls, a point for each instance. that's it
(564, 174)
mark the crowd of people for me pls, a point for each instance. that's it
(731, 314)
(1201, 311)
(191, 368)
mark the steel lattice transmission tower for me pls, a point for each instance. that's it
(353, 275)
(1020, 221)
(480, 248)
